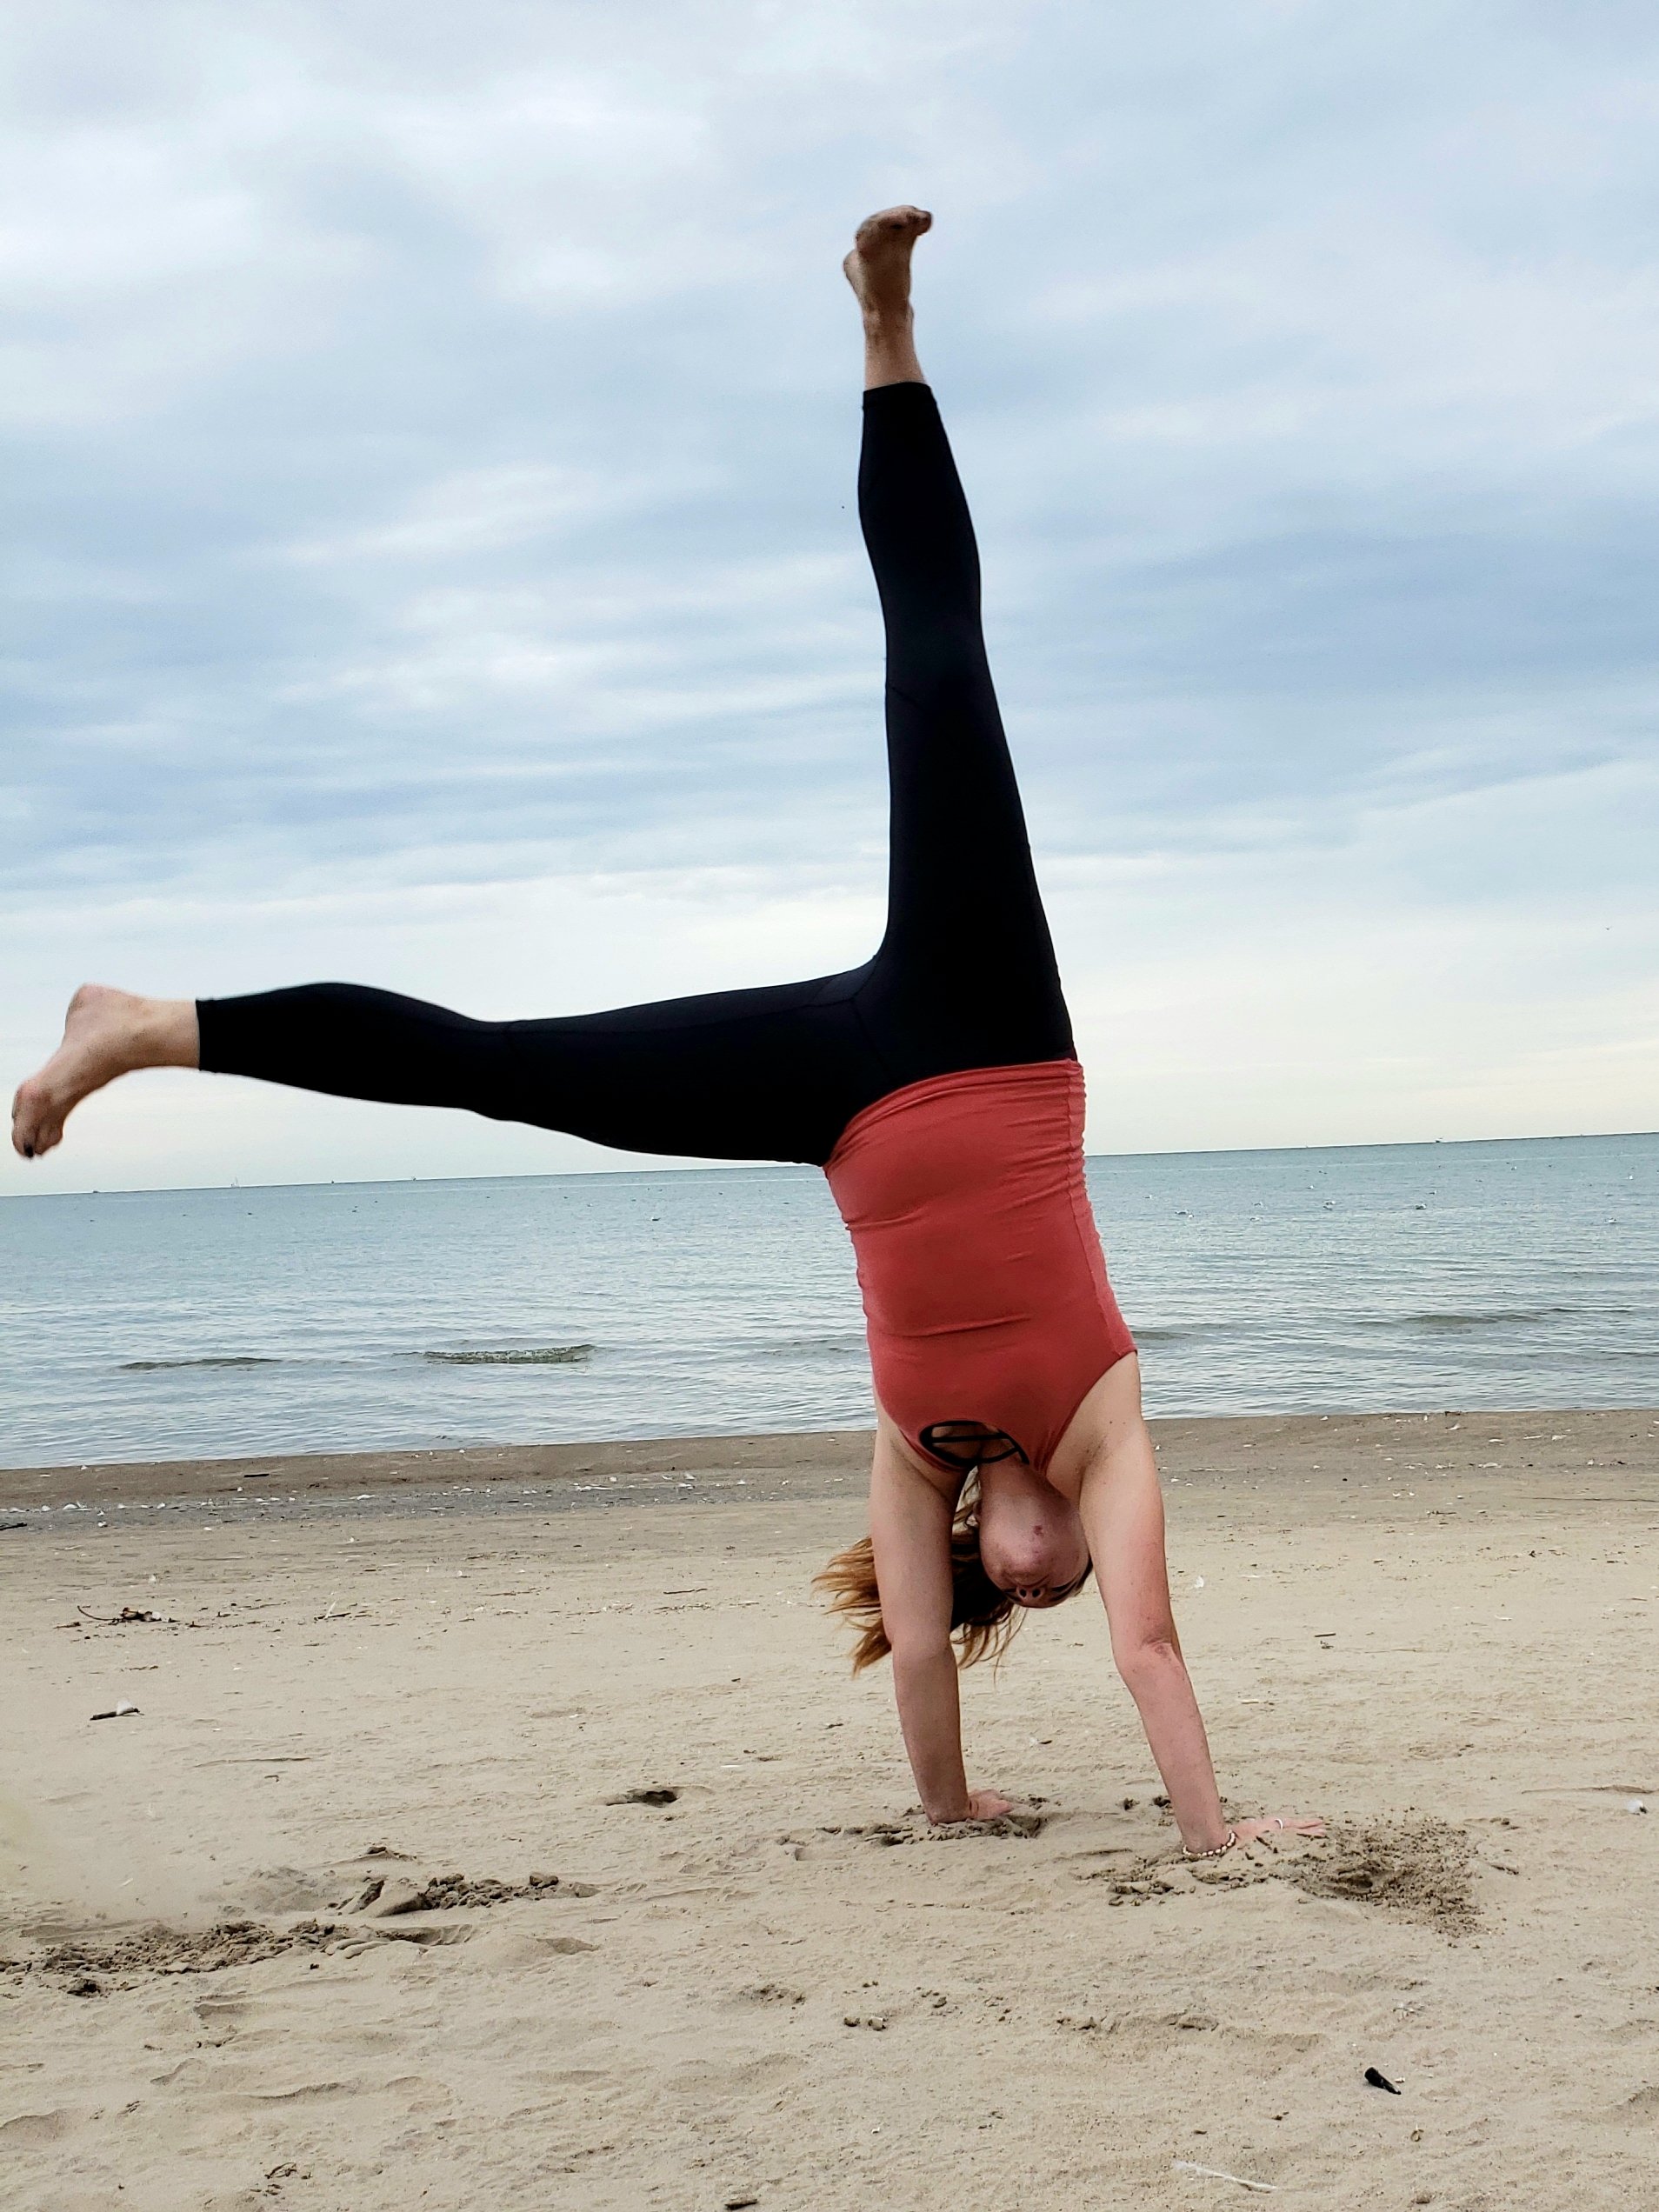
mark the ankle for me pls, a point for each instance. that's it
(171, 1032)
(162, 1033)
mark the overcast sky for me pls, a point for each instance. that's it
(432, 558)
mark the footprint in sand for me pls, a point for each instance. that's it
(35, 2130)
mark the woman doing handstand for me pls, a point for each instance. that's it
(937, 1087)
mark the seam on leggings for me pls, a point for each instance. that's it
(894, 1080)
(714, 1019)
(843, 988)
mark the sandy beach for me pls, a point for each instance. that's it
(504, 1830)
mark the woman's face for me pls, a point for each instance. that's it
(1032, 1544)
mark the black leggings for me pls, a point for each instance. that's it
(965, 977)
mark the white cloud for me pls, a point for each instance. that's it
(434, 448)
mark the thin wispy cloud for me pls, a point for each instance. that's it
(431, 445)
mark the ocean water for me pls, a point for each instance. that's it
(154, 1324)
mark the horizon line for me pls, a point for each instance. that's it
(753, 1167)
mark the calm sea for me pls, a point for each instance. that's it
(155, 1325)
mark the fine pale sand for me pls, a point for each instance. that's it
(699, 1953)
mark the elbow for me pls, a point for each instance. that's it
(1148, 1659)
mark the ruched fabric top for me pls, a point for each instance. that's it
(984, 1287)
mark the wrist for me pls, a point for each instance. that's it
(1215, 1848)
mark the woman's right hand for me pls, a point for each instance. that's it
(982, 1805)
(987, 1804)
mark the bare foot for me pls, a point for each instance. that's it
(106, 1033)
(878, 268)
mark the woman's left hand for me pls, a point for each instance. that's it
(1274, 1825)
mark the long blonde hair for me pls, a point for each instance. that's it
(982, 1617)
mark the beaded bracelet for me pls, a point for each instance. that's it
(1216, 1851)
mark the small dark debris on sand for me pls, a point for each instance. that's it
(657, 1795)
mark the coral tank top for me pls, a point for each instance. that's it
(984, 1288)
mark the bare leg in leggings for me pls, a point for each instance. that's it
(964, 977)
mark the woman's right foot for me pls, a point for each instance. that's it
(106, 1033)
(878, 268)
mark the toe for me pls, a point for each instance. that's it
(892, 224)
(41, 1134)
(32, 1132)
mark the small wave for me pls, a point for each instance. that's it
(229, 1359)
(848, 1344)
(1181, 1332)
(1487, 1320)
(546, 1356)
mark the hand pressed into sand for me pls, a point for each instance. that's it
(987, 1804)
(1269, 1828)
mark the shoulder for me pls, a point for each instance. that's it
(898, 1469)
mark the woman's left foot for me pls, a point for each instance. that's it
(878, 268)
(106, 1033)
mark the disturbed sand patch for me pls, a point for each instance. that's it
(915, 1828)
(386, 1896)
(82, 1963)
(174, 1950)
(1418, 1867)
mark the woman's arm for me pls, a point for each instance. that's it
(1122, 1516)
(909, 1527)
